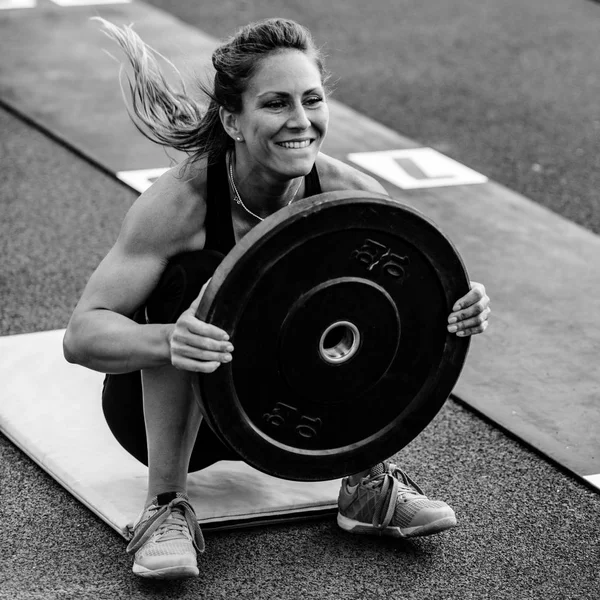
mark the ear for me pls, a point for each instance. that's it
(230, 124)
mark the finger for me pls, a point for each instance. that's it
(186, 364)
(190, 345)
(201, 354)
(475, 321)
(476, 294)
(188, 321)
(472, 311)
(184, 339)
(200, 328)
(473, 330)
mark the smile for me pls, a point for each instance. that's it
(295, 145)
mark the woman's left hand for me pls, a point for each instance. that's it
(470, 313)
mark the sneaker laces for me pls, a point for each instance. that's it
(168, 522)
(393, 483)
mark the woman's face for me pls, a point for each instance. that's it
(284, 115)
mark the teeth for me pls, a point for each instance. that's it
(295, 145)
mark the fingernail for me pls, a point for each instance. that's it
(452, 328)
(456, 307)
(452, 320)
(461, 334)
(229, 348)
(227, 357)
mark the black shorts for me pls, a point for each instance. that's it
(122, 400)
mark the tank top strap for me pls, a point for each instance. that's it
(312, 183)
(219, 227)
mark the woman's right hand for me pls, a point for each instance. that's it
(198, 346)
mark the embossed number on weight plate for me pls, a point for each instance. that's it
(308, 427)
(375, 256)
(284, 415)
(280, 415)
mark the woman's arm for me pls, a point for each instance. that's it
(100, 334)
(166, 220)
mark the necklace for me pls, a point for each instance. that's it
(236, 194)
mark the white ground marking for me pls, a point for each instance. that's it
(88, 2)
(142, 179)
(11, 4)
(14, 4)
(417, 168)
(593, 479)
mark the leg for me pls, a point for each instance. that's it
(123, 406)
(171, 412)
(172, 417)
(166, 535)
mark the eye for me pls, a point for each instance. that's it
(275, 104)
(313, 101)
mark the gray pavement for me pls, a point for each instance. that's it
(526, 530)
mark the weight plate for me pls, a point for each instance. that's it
(337, 307)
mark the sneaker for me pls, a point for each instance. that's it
(166, 538)
(388, 502)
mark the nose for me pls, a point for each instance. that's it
(298, 118)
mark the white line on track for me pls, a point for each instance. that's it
(141, 179)
(417, 168)
(88, 2)
(593, 479)
(12, 4)
(20, 4)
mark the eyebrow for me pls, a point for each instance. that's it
(285, 94)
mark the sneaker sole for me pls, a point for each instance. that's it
(396, 532)
(178, 572)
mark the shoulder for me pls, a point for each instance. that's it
(169, 216)
(336, 175)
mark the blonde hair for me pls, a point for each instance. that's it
(168, 116)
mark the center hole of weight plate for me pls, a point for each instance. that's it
(339, 342)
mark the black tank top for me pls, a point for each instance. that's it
(219, 226)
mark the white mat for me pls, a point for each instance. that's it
(52, 411)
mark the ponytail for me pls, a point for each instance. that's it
(168, 116)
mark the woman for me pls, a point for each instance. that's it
(255, 150)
